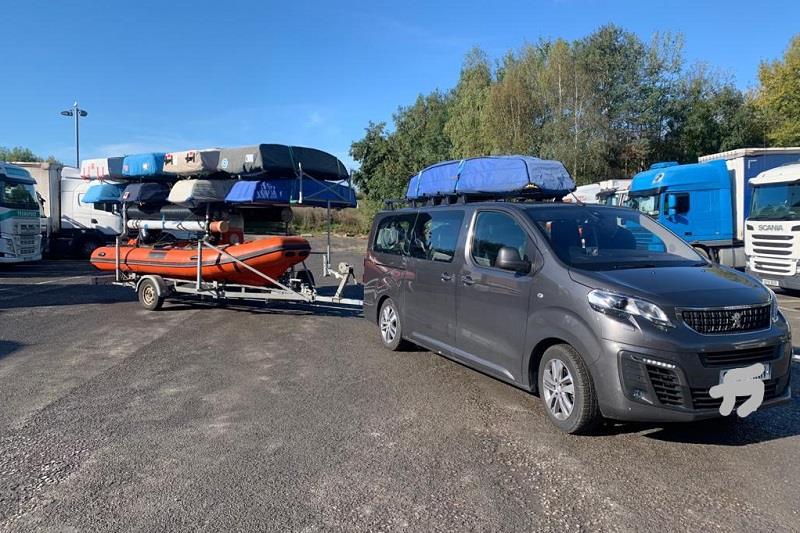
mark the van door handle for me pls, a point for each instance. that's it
(94, 221)
(467, 280)
(447, 276)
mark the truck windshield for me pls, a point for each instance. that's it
(780, 201)
(608, 238)
(647, 204)
(17, 195)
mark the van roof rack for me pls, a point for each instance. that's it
(465, 198)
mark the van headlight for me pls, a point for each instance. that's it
(627, 306)
(775, 307)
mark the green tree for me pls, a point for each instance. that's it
(779, 96)
(18, 153)
(710, 115)
(465, 126)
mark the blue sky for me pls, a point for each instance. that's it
(161, 75)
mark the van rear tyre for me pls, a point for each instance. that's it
(567, 390)
(391, 326)
(148, 295)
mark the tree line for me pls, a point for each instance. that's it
(607, 105)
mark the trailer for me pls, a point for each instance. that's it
(296, 285)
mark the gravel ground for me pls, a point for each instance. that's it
(273, 418)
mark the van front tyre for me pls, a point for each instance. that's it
(148, 295)
(391, 326)
(567, 390)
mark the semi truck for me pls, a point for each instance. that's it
(20, 235)
(73, 228)
(772, 231)
(613, 192)
(706, 203)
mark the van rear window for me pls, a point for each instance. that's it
(435, 235)
(393, 234)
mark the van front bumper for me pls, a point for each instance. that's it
(636, 383)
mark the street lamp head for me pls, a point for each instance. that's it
(83, 113)
(67, 113)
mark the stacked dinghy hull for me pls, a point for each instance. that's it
(272, 256)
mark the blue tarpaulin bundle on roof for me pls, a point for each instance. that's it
(287, 191)
(103, 192)
(149, 165)
(509, 174)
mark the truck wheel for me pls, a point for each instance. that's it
(567, 390)
(391, 326)
(148, 295)
(86, 248)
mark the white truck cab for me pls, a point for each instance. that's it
(772, 231)
(20, 236)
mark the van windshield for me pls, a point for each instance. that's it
(606, 238)
(17, 195)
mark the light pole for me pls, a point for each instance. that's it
(76, 112)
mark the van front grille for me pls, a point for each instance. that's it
(717, 321)
(701, 399)
(739, 357)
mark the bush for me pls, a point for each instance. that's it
(349, 221)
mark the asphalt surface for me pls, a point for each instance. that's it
(199, 417)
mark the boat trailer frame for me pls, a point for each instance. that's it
(299, 289)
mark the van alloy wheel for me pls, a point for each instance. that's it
(388, 324)
(559, 389)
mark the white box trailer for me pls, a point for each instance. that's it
(71, 226)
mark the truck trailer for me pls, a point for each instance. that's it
(706, 203)
(73, 228)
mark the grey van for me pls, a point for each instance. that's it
(600, 310)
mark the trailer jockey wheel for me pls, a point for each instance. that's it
(148, 295)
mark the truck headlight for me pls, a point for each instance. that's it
(627, 306)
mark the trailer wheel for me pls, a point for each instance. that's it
(148, 295)
(305, 277)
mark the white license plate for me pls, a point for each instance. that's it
(771, 282)
(766, 374)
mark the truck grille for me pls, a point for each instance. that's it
(702, 400)
(772, 254)
(666, 385)
(739, 357)
(715, 321)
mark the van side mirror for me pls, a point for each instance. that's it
(508, 259)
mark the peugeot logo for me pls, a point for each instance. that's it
(736, 318)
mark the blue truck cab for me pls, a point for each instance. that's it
(695, 201)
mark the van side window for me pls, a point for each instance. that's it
(436, 234)
(392, 234)
(494, 230)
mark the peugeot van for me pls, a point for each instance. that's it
(599, 310)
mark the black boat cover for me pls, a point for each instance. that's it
(280, 161)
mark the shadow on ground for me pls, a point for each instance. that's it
(8, 347)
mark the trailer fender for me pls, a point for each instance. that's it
(161, 285)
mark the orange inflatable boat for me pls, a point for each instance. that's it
(271, 255)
